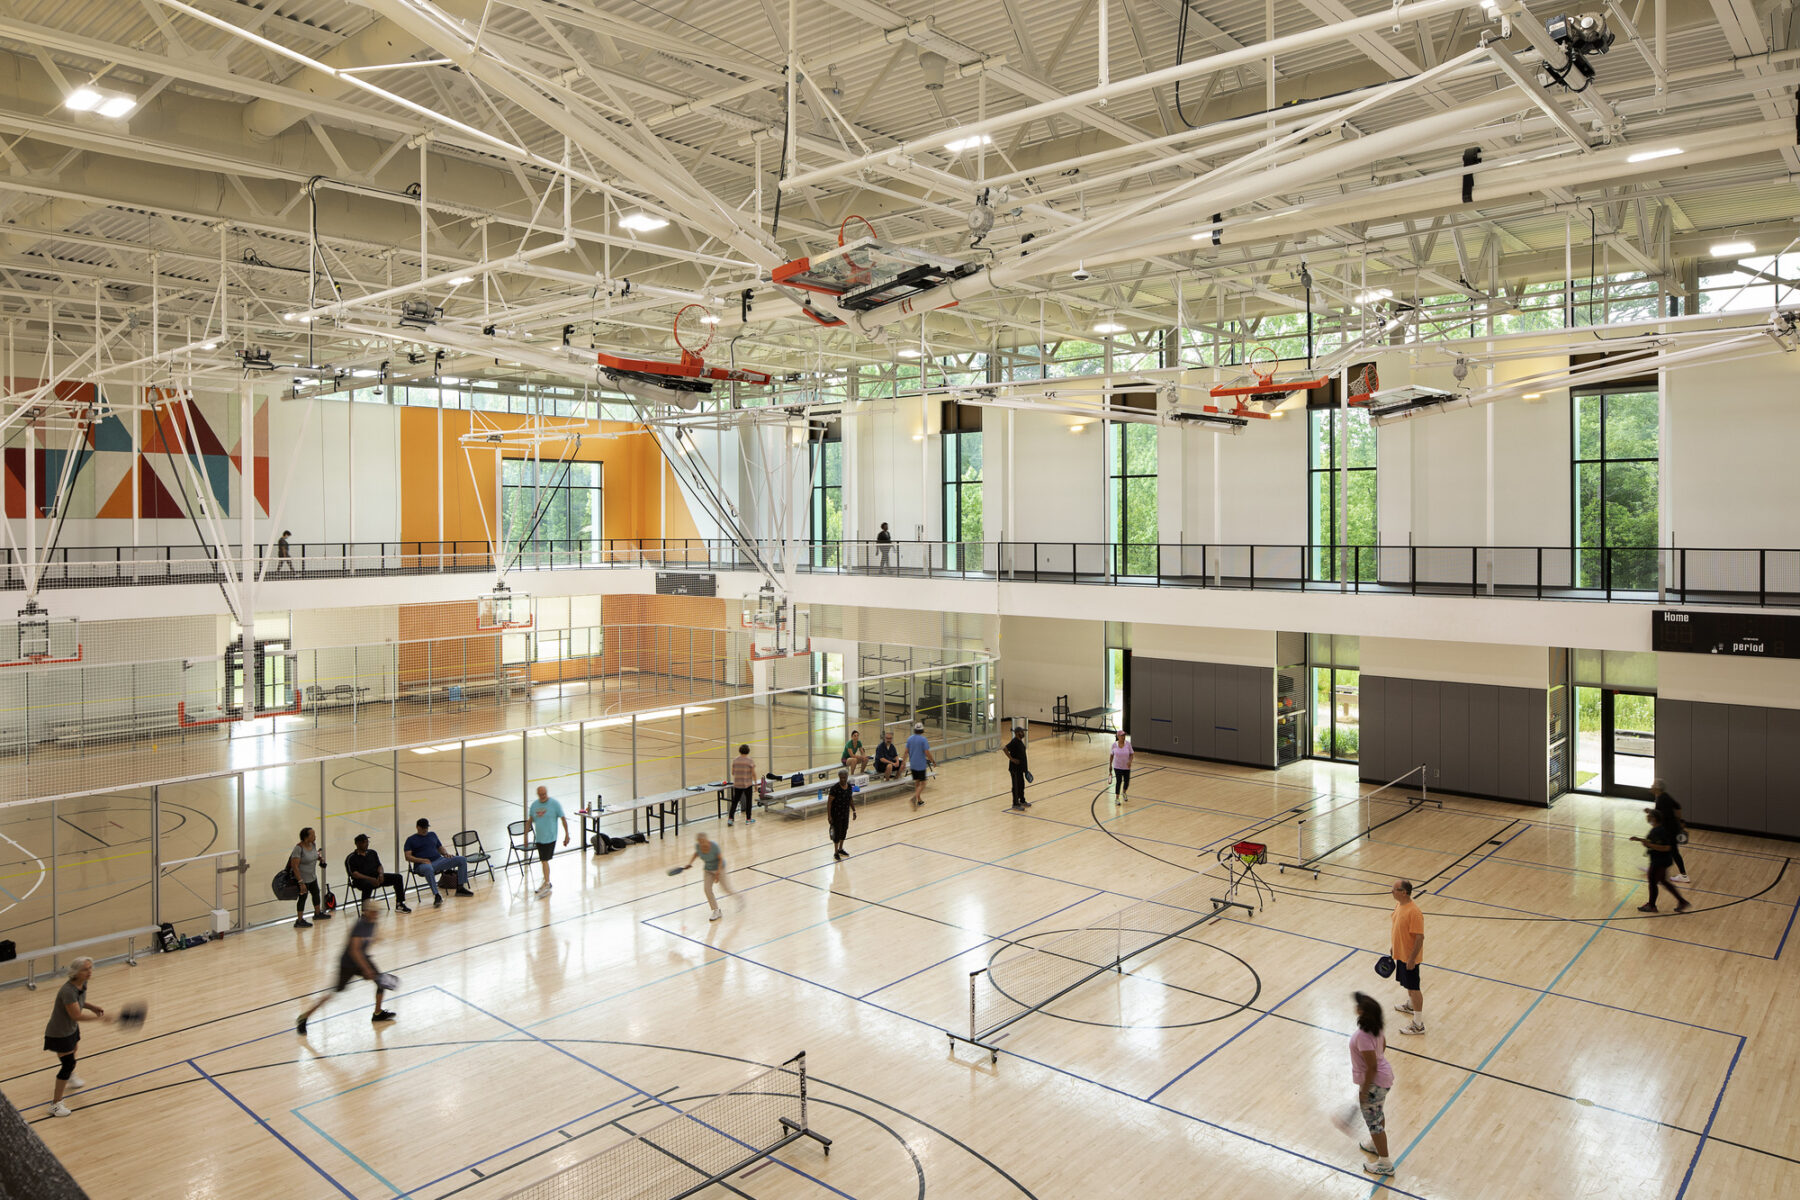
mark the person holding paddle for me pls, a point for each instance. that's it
(712, 863)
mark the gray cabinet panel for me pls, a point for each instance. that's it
(1426, 723)
(1705, 800)
(1515, 743)
(1370, 733)
(1783, 762)
(1398, 711)
(1537, 747)
(1675, 745)
(1150, 704)
(1262, 699)
(1227, 713)
(1484, 746)
(1181, 707)
(1203, 690)
(1746, 769)
(1452, 767)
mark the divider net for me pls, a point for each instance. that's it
(694, 1148)
(1324, 834)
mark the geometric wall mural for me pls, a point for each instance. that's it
(102, 485)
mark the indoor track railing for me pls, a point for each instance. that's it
(1762, 577)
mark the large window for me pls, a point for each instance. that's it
(825, 511)
(1615, 489)
(549, 510)
(1342, 469)
(1336, 699)
(1131, 496)
(962, 486)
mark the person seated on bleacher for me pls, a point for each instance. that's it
(856, 759)
(887, 757)
(364, 869)
(425, 852)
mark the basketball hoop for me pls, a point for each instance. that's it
(859, 268)
(1364, 383)
(693, 332)
(1264, 370)
(503, 610)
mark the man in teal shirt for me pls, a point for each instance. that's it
(545, 813)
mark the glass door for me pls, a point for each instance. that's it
(1615, 745)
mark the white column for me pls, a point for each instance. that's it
(247, 540)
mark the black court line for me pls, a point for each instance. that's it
(83, 832)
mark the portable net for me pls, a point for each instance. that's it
(688, 1151)
(1323, 834)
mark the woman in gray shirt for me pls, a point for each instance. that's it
(64, 1030)
(303, 865)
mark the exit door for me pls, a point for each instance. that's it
(1616, 750)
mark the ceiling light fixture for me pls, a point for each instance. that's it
(460, 280)
(209, 345)
(88, 98)
(1532, 396)
(641, 222)
(709, 319)
(1729, 249)
(909, 352)
(1108, 326)
(1077, 427)
(968, 143)
(1374, 295)
(1647, 155)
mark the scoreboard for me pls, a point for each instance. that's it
(1748, 635)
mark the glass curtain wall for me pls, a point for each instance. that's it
(550, 511)
(962, 462)
(825, 507)
(1131, 524)
(1616, 493)
(1352, 452)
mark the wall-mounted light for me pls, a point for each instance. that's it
(88, 98)
(918, 437)
(641, 222)
(1532, 397)
(1077, 427)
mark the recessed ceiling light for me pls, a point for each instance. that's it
(641, 222)
(1724, 249)
(83, 99)
(460, 280)
(1647, 155)
(1109, 327)
(968, 143)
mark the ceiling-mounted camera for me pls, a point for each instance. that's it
(1580, 36)
(1081, 274)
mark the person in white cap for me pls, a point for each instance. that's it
(918, 757)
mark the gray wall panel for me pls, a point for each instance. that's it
(1204, 688)
(1746, 769)
(1484, 746)
(1426, 726)
(1783, 760)
(1227, 717)
(1451, 769)
(1705, 799)
(1516, 731)
(1675, 745)
(1537, 779)
(1371, 726)
(1181, 707)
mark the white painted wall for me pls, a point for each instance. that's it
(1244, 647)
(1456, 662)
(1041, 659)
(1732, 430)
(1769, 683)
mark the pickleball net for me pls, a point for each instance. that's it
(1024, 978)
(691, 1149)
(1322, 834)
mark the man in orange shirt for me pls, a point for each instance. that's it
(1408, 951)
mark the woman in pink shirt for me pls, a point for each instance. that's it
(1373, 1076)
(1122, 754)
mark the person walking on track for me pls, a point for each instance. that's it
(1660, 843)
(712, 862)
(1017, 766)
(1370, 1071)
(63, 1032)
(355, 964)
(743, 785)
(1665, 804)
(840, 810)
(1409, 952)
(918, 758)
(545, 813)
(1122, 754)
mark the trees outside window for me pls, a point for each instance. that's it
(1616, 490)
(1131, 497)
(962, 500)
(549, 510)
(825, 513)
(1354, 454)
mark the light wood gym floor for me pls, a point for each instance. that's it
(1574, 1049)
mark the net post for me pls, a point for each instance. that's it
(801, 1059)
(973, 975)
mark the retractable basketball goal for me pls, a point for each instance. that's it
(867, 273)
(682, 382)
(503, 611)
(37, 639)
(777, 628)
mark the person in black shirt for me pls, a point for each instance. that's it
(1660, 842)
(840, 809)
(364, 869)
(884, 545)
(1016, 766)
(355, 964)
(1665, 804)
(887, 757)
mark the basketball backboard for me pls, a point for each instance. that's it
(870, 273)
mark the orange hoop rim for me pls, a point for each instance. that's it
(844, 226)
(1256, 368)
(701, 321)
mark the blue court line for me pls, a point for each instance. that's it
(1524, 987)
(1270, 1011)
(1616, 929)
(1478, 862)
(1710, 1118)
(1507, 1037)
(298, 1153)
(1790, 928)
(992, 938)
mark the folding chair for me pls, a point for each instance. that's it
(478, 858)
(520, 848)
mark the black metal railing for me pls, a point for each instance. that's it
(1680, 575)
